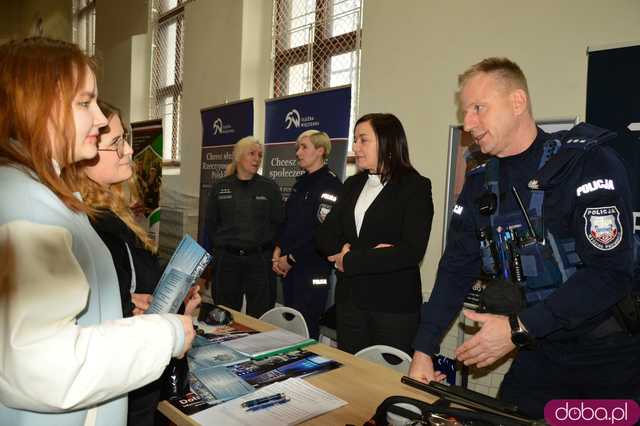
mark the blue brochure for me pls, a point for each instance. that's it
(218, 384)
(185, 267)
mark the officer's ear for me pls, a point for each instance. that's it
(519, 101)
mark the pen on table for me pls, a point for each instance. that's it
(268, 404)
(264, 399)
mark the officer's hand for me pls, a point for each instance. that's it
(338, 258)
(422, 369)
(283, 265)
(189, 334)
(488, 345)
(141, 302)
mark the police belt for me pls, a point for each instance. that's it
(245, 251)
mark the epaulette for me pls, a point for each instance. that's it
(562, 154)
(585, 136)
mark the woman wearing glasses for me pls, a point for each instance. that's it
(102, 182)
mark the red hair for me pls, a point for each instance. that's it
(39, 78)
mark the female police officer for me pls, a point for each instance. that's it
(243, 214)
(305, 272)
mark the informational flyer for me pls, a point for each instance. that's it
(185, 267)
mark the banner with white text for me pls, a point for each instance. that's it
(222, 126)
(326, 110)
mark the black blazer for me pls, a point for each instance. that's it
(387, 279)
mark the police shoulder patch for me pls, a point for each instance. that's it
(323, 211)
(602, 227)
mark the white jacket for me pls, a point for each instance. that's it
(64, 347)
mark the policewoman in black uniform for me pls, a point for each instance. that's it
(550, 215)
(243, 214)
(305, 272)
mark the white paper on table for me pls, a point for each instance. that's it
(265, 342)
(307, 401)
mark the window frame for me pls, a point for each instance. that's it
(323, 47)
(159, 93)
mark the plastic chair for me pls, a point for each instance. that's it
(387, 356)
(288, 319)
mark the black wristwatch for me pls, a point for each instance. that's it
(519, 336)
(290, 260)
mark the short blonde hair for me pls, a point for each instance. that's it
(318, 139)
(239, 150)
(503, 69)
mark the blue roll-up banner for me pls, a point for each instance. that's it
(222, 126)
(613, 102)
(326, 110)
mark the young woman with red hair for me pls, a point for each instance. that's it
(67, 355)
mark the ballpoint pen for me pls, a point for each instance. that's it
(268, 404)
(264, 399)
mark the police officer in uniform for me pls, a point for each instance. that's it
(243, 213)
(549, 214)
(305, 272)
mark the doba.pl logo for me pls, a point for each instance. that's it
(574, 412)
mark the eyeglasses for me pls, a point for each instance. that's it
(117, 145)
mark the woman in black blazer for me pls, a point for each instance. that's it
(377, 235)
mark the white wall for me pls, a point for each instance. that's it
(413, 51)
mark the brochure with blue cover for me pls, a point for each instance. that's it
(216, 384)
(185, 267)
(213, 355)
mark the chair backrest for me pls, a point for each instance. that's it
(387, 356)
(288, 319)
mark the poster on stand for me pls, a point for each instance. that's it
(613, 102)
(286, 118)
(222, 126)
(146, 141)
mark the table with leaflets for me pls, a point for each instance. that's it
(363, 384)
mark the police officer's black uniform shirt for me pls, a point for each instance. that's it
(312, 198)
(244, 214)
(586, 297)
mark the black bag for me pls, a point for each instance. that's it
(176, 379)
(439, 413)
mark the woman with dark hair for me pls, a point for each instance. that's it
(377, 235)
(68, 357)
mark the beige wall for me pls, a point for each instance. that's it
(123, 55)
(212, 58)
(226, 58)
(18, 18)
(413, 50)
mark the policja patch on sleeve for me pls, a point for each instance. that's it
(326, 204)
(602, 227)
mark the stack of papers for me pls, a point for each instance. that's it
(306, 402)
(268, 343)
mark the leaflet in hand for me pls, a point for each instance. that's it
(185, 267)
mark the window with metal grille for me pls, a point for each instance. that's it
(84, 25)
(316, 44)
(166, 73)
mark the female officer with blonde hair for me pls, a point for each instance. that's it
(243, 212)
(305, 272)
